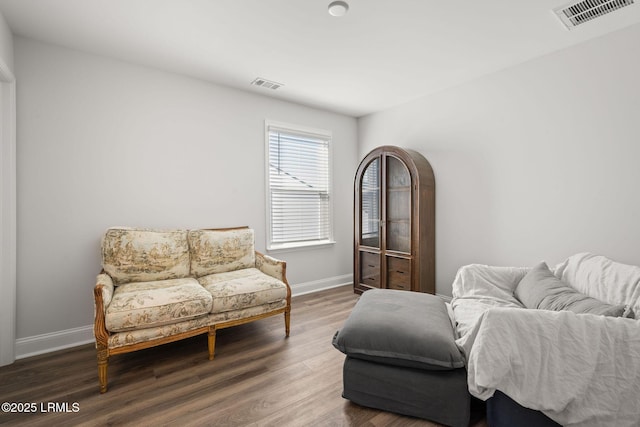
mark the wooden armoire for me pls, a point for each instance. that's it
(394, 222)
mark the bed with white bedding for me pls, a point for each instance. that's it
(579, 369)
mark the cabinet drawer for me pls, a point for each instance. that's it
(398, 273)
(370, 269)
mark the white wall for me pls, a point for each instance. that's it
(536, 162)
(6, 43)
(7, 197)
(103, 143)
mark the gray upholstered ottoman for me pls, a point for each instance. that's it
(402, 357)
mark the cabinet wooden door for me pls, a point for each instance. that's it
(370, 224)
(394, 245)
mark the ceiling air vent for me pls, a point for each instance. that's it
(578, 13)
(267, 84)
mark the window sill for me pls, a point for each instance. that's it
(291, 247)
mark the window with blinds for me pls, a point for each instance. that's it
(298, 186)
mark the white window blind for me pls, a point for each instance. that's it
(298, 193)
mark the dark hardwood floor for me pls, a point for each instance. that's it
(258, 378)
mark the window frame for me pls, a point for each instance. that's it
(312, 132)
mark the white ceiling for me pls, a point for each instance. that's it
(382, 53)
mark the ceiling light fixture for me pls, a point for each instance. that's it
(338, 8)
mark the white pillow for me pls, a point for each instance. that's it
(603, 279)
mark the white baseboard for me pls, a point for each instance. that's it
(46, 343)
(321, 285)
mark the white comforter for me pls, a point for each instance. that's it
(578, 369)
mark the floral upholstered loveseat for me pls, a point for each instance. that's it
(160, 286)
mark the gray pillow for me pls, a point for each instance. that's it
(541, 289)
(400, 328)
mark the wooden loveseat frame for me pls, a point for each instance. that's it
(264, 268)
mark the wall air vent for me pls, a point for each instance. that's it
(267, 84)
(580, 12)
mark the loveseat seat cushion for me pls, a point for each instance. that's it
(144, 255)
(136, 336)
(219, 251)
(245, 313)
(244, 288)
(150, 304)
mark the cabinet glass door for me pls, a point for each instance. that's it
(370, 205)
(398, 206)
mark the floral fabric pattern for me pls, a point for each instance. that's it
(240, 289)
(157, 303)
(219, 251)
(245, 312)
(270, 266)
(122, 339)
(144, 255)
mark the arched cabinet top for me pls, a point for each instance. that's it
(419, 167)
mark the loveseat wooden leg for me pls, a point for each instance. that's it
(103, 362)
(211, 341)
(287, 321)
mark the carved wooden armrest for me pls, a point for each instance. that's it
(106, 282)
(102, 293)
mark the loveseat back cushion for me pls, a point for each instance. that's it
(541, 289)
(150, 304)
(602, 278)
(219, 251)
(144, 255)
